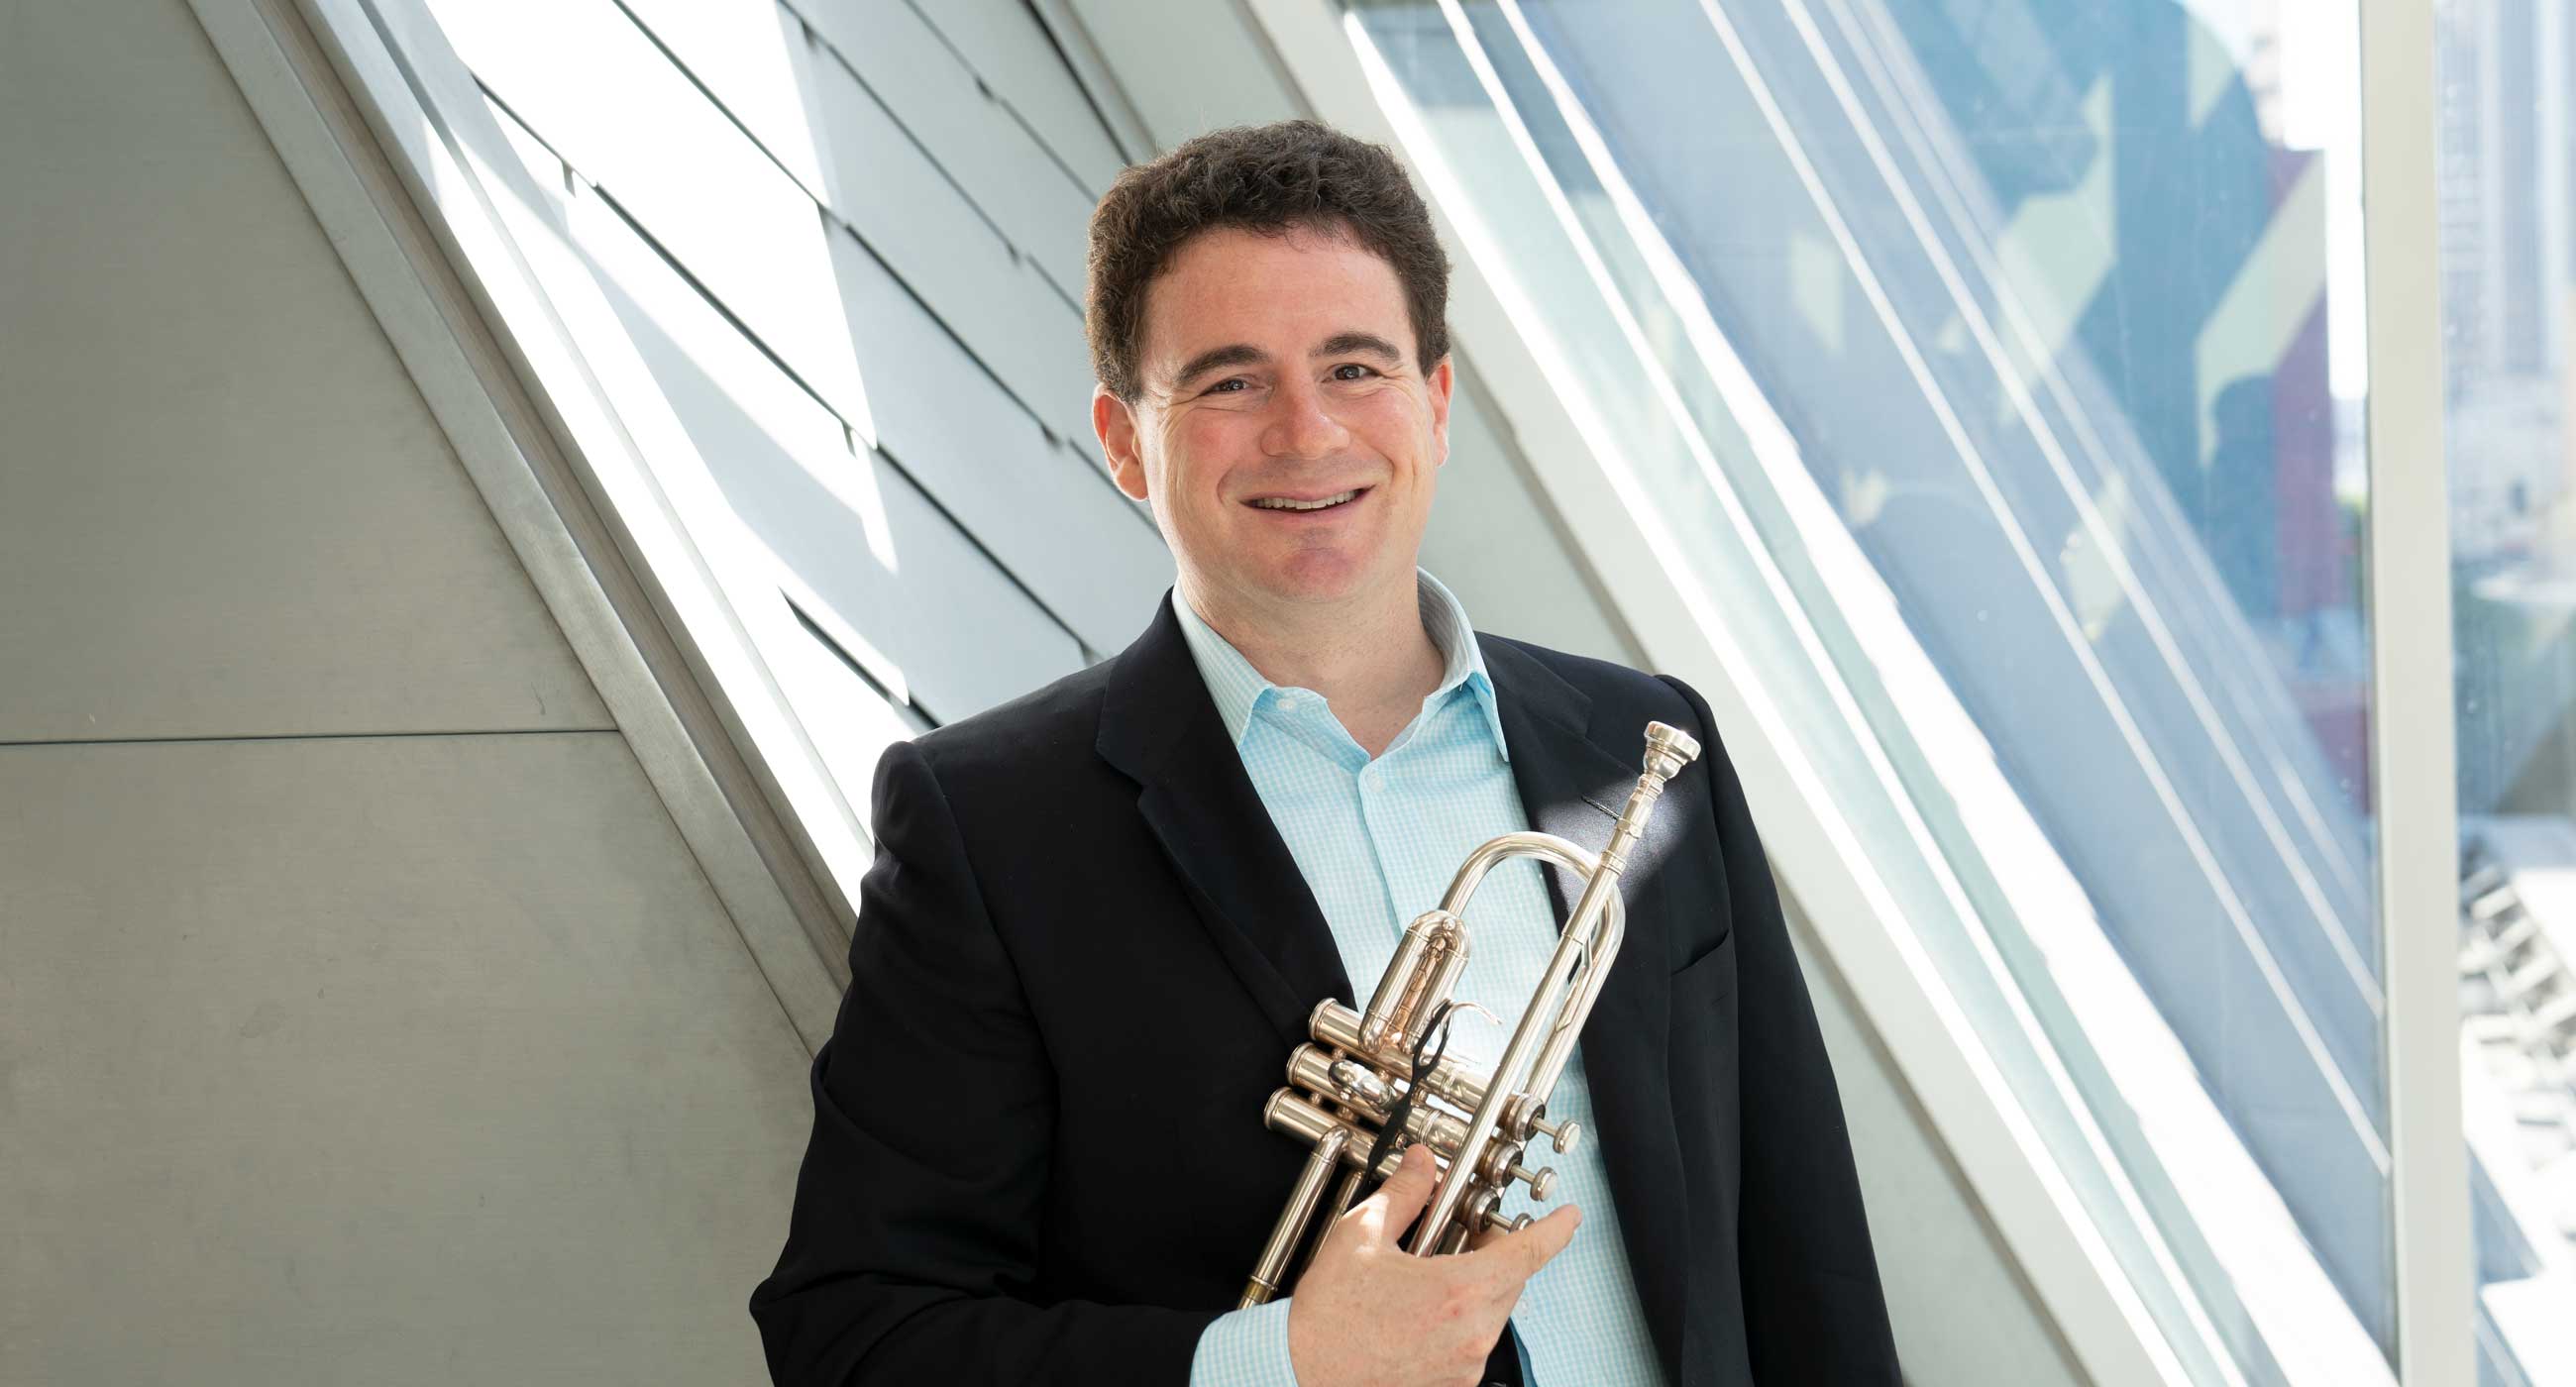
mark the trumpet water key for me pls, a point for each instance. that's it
(1374, 1082)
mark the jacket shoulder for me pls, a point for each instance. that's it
(1620, 696)
(1585, 672)
(1047, 726)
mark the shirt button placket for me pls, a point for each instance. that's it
(1370, 784)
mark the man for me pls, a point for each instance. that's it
(1100, 914)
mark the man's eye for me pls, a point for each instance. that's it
(1364, 372)
(1225, 387)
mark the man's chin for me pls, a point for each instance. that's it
(1309, 583)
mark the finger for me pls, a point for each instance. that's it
(1549, 1235)
(1520, 1255)
(1396, 1203)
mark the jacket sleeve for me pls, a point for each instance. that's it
(1813, 1307)
(914, 1242)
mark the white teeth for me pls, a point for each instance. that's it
(1283, 503)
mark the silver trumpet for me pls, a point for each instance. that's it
(1373, 1083)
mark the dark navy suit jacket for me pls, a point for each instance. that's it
(1082, 956)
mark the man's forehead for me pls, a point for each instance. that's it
(1213, 294)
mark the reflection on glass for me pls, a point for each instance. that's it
(2507, 162)
(1990, 345)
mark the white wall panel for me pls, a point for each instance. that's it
(224, 510)
(754, 58)
(1037, 508)
(916, 221)
(1011, 53)
(851, 527)
(941, 323)
(595, 89)
(1048, 510)
(851, 722)
(392, 1060)
(634, 124)
(697, 182)
(1188, 68)
(1018, 182)
(1045, 511)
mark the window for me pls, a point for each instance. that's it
(1990, 374)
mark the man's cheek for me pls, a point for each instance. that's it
(1386, 412)
(1201, 436)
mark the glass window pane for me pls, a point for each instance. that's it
(1996, 367)
(2506, 154)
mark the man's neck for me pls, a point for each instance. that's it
(1370, 658)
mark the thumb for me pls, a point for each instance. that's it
(1400, 1199)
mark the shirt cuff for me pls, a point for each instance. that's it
(1245, 1348)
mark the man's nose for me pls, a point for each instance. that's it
(1302, 424)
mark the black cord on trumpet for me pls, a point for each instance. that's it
(1401, 1110)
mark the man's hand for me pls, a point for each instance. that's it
(1369, 1314)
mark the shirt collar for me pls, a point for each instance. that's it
(1239, 689)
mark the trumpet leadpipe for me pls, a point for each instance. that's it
(1570, 982)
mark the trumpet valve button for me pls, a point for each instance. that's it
(1541, 1181)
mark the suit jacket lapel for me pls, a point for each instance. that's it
(1572, 786)
(1159, 726)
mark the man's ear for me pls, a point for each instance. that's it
(1442, 380)
(1116, 424)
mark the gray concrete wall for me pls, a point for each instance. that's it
(363, 1016)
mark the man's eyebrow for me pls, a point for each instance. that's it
(1232, 354)
(1369, 342)
(1245, 354)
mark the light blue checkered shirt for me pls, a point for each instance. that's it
(1377, 842)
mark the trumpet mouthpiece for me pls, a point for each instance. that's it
(1668, 749)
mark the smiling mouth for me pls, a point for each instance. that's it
(1292, 506)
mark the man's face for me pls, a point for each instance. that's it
(1281, 369)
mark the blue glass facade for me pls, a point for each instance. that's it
(2038, 296)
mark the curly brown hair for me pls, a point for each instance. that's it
(1266, 179)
